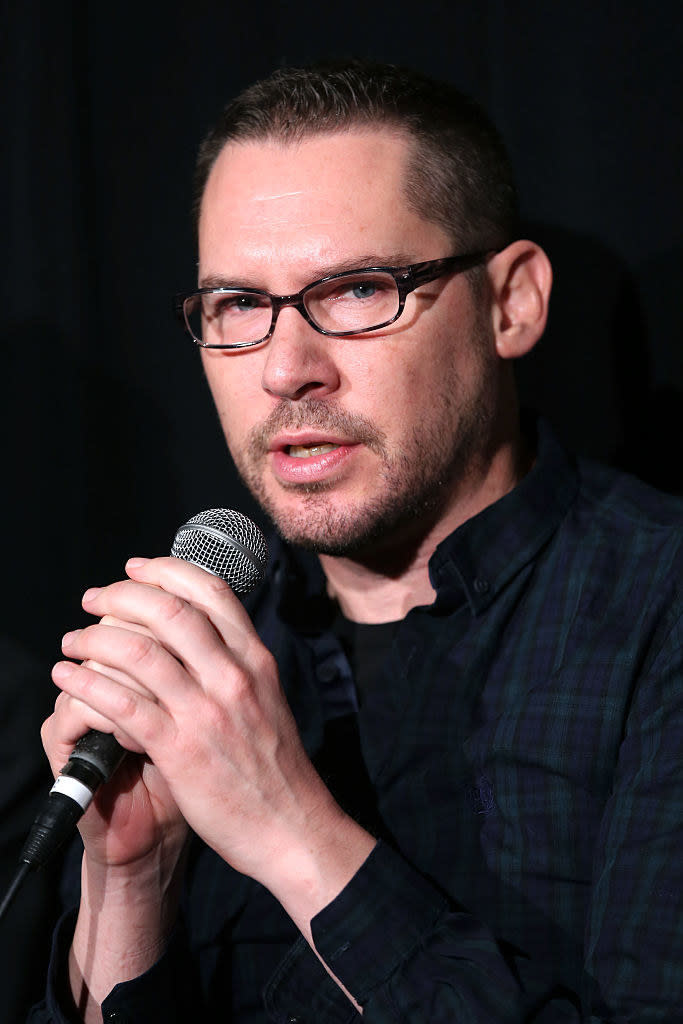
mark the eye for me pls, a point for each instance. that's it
(361, 289)
(358, 301)
(234, 304)
(238, 303)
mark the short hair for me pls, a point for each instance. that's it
(459, 174)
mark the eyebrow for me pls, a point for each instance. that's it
(396, 259)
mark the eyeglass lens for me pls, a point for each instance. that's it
(349, 303)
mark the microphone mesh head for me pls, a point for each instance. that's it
(225, 543)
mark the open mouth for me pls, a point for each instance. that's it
(312, 460)
(307, 451)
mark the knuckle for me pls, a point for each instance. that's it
(216, 718)
(172, 607)
(265, 663)
(126, 702)
(141, 648)
(216, 585)
(149, 732)
(237, 687)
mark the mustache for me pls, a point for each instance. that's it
(312, 413)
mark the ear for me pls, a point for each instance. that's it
(521, 279)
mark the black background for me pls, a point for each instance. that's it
(109, 437)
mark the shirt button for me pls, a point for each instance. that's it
(327, 672)
(481, 586)
(115, 1017)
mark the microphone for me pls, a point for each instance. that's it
(224, 543)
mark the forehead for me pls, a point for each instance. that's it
(323, 197)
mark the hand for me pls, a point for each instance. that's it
(134, 836)
(179, 670)
(134, 812)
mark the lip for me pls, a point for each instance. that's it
(281, 442)
(290, 469)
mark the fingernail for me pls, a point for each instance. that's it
(69, 638)
(136, 563)
(62, 669)
(91, 594)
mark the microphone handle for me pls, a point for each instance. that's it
(93, 761)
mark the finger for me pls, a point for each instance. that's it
(208, 593)
(198, 626)
(111, 620)
(110, 670)
(226, 614)
(131, 658)
(136, 720)
(70, 720)
(134, 627)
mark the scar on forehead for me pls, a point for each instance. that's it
(280, 195)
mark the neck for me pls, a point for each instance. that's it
(367, 593)
(384, 586)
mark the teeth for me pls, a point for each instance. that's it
(303, 451)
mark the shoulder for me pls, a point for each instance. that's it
(621, 549)
(608, 576)
(633, 530)
(625, 503)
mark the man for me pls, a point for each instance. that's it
(443, 751)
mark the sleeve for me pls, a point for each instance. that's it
(395, 943)
(168, 991)
(406, 955)
(51, 1010)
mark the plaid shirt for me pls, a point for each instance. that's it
(522, 751)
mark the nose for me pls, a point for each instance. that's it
(298, 360)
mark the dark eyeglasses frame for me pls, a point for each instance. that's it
(407, 279)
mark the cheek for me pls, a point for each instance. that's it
(234, 379)
(233, 394)
(408, 373)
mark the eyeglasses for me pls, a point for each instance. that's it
(353, 302)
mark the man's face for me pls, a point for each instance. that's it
(354, 443)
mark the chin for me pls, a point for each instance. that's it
(317, 526)
(363, 531)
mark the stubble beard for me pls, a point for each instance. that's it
(441, 453)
